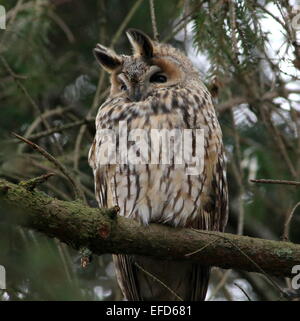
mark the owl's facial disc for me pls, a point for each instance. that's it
(139, 79)
(131, 89)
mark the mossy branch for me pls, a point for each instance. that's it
(102, 231)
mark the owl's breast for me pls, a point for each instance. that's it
(157, 188)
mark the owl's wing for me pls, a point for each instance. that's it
(214, 214)
(144, 278)
(126, 270)
(221, 194)
(100, 179)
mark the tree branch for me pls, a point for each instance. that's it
(102, 231)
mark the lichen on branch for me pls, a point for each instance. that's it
(103, 231)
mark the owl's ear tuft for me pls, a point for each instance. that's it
(141, 43)
(107, 58)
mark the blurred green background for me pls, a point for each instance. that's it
(248, 56)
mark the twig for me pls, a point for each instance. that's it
(267, 96)
(285, 236)
(46, 114)
(275, 181)
(31, 184)
(20, 85)
(279, 141)
(60, 128)
(59, 193)
(249, 258)
(159, 281)
(287, 19)
(262, 7)
(183, 21)
(29, 98)
(220, 284)
(10, 71)
(258, 284)
(246, 294)
(153, 20)
(57, 19)
(202, 248)
(125, 22)
(77, 191)
(233, 31)
(186, 10)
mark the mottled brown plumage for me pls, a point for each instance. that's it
(158, 88)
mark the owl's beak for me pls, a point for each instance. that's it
(135, 94)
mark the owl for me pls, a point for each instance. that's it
(157, 89)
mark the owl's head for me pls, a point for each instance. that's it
(152, 66)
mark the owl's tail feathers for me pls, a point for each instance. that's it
(201, 279)
(147, 279)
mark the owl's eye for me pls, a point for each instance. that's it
(158, 78)
(123, 87)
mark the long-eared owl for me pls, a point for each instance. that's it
(153, 91)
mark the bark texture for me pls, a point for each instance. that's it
(102, 231)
